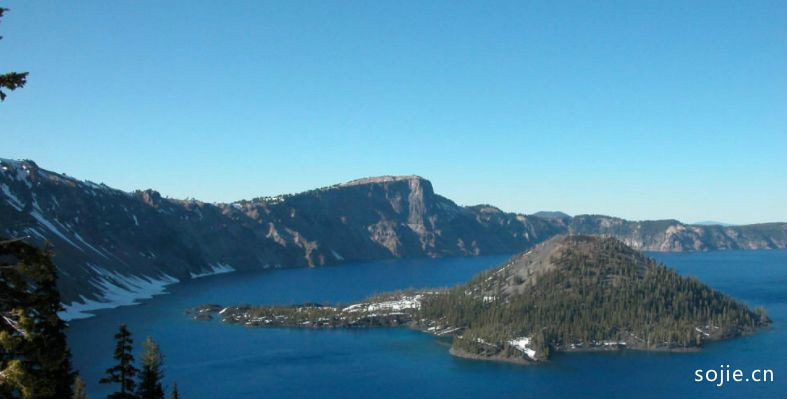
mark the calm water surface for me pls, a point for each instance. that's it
(211, 360)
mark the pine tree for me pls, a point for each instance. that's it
(11, 80)
(124, 372)
(151, 373)
(34, 358)
(79, 389)
(175, 394)
(49, 338)
(15, 380)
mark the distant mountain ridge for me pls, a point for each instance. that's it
(713, 223)
(114, 247)
(552, 215)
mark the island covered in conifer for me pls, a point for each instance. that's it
(570, 293)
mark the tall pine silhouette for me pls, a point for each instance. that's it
(35, 361)
(124, 372)
(34, 358)
(10, 80)
(151, 372)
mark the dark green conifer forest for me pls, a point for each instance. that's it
(34, 358)
(607, 293)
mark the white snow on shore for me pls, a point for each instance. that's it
(699, 330)
(218, 268)
(523, 344)
(116, 290)
(78, 310)
(447, 331)
(406, 302)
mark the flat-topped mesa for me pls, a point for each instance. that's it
(552, 215)
(382, 179)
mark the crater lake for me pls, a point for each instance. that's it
(215, 360)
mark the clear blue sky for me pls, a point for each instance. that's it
(637, 109)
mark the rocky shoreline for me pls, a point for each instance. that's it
(401, 310)
(492, 358)
(388, 311)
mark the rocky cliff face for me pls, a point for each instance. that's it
(114, 247)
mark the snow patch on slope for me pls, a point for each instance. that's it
(82, 240)
(16, 170)
(218, 268)
(11, 198)
(46, 223)
(116, 290)
(32, 230)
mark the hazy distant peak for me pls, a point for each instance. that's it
(486, 208)
(552, 215)
(712, 223)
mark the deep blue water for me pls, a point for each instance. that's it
(211, 360)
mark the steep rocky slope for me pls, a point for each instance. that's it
(113, 247)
